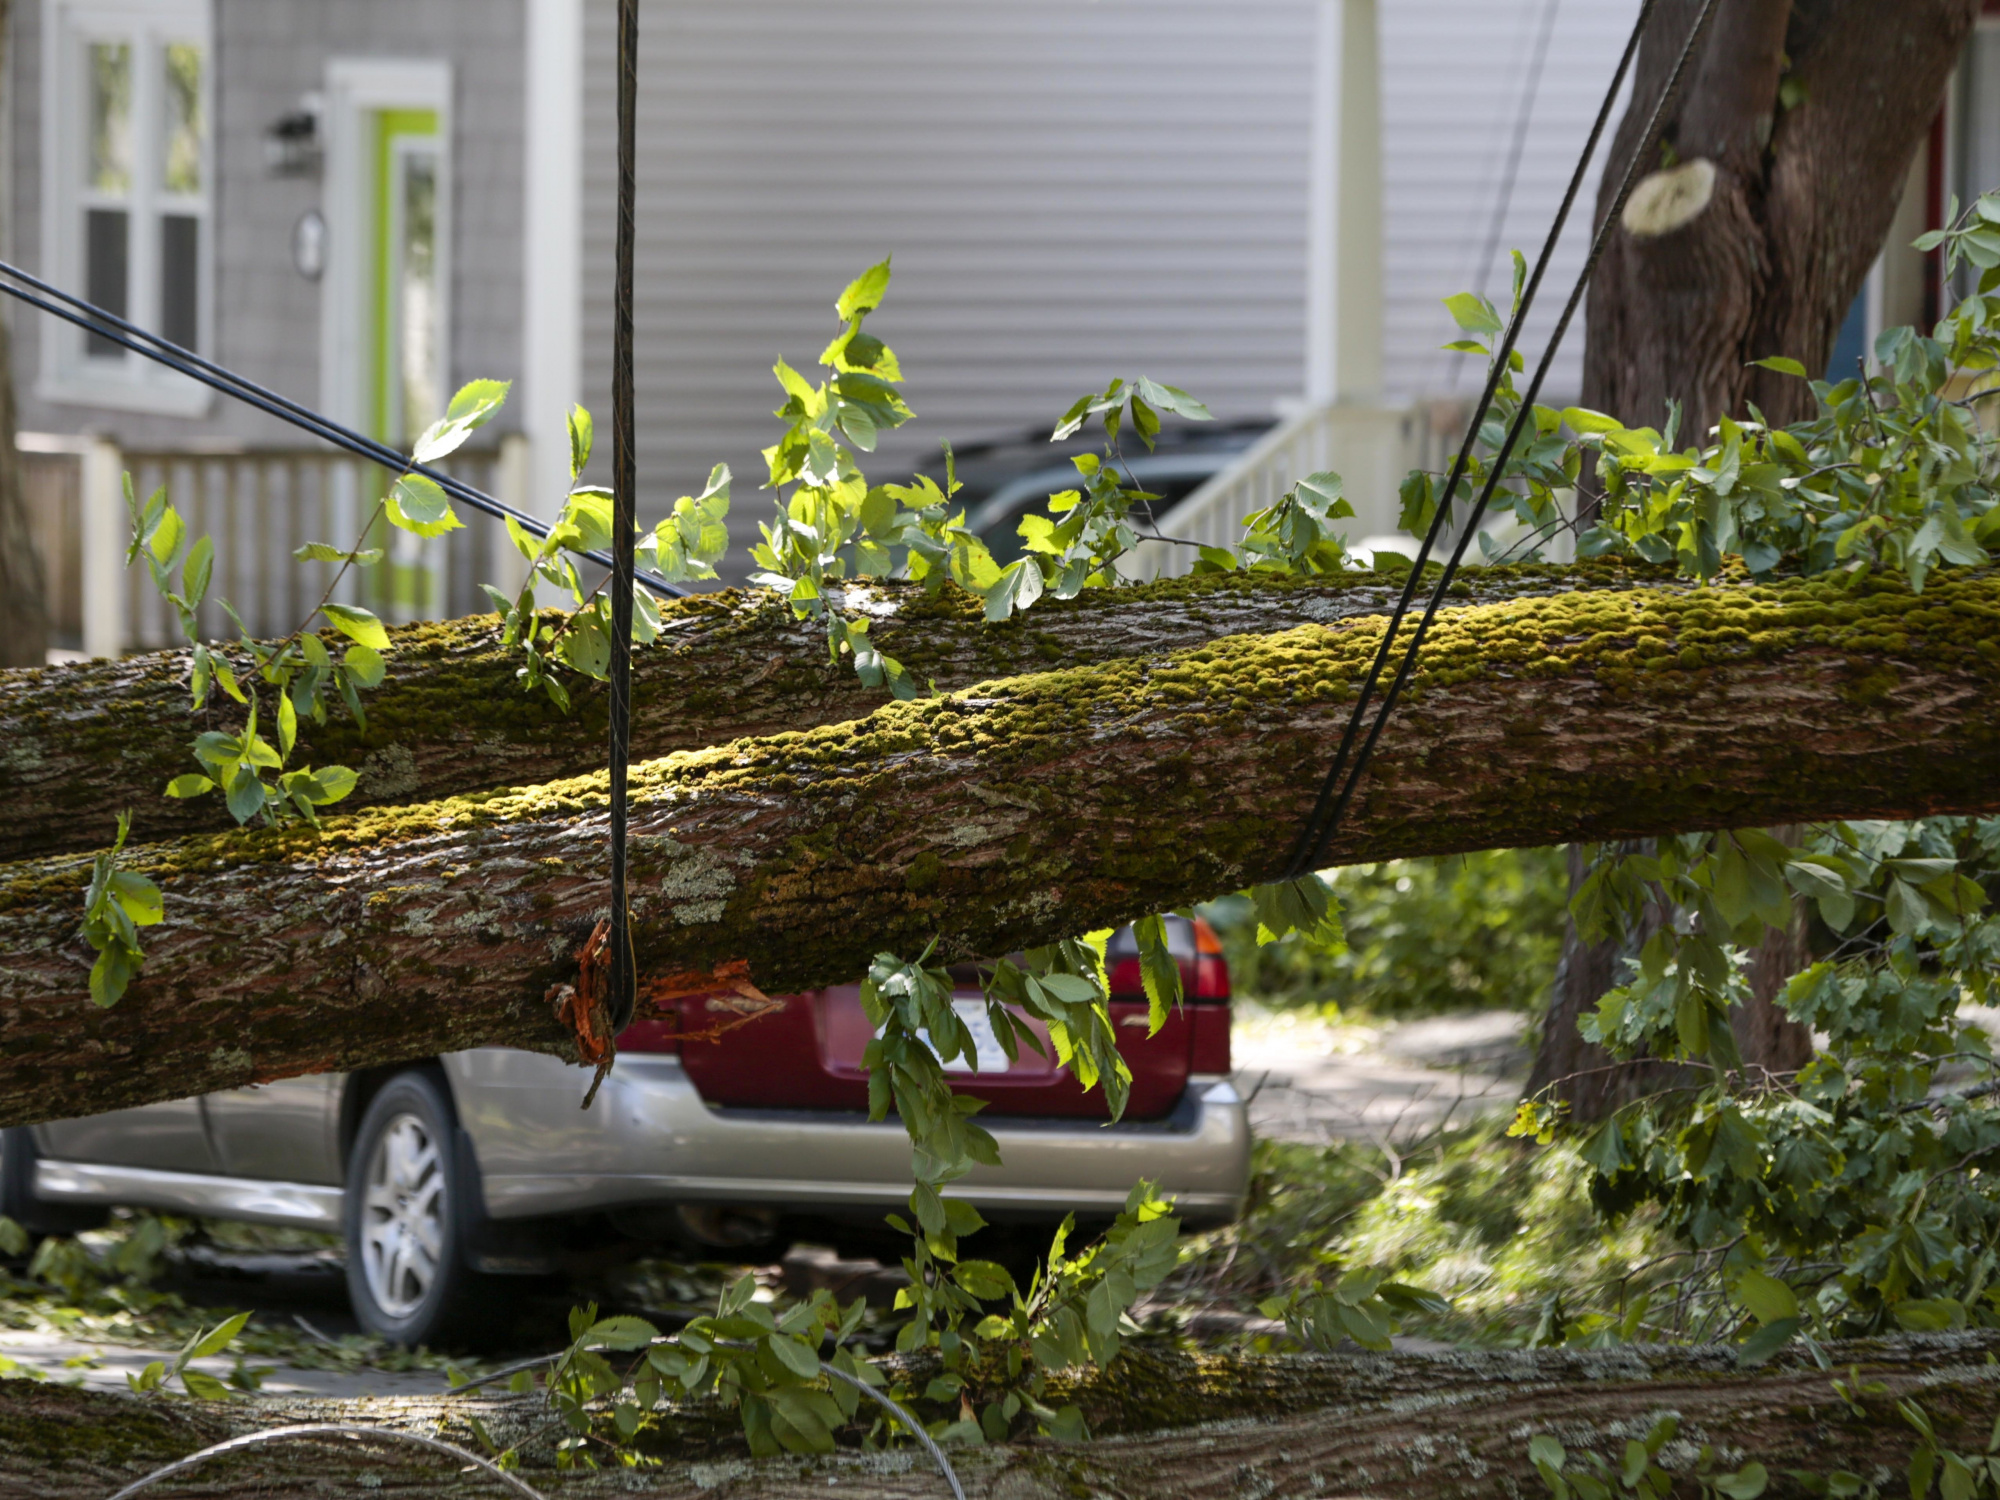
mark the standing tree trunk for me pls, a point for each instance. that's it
(24, 623)
(1780, 173)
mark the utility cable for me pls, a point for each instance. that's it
(1503, 197)
(331, 1429)
(1312, 837)
(1320, 829)
(30, 289)
(623, 993)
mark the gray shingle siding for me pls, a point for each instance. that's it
(269, 52)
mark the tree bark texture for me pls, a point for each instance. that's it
(1166, 1425)
(1769, 261)
(1005, 816)
(79, 744)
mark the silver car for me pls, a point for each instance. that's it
(446, 1174)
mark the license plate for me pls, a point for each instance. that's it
(985, 1045)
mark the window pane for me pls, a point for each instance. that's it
(106, 235)
(111, 116)
(180, 243)
(419, 361)
(180, 167)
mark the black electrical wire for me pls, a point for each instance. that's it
(1503, 198)
(1313, 835)
(623, 992)
(1320, 827)
(39, 294)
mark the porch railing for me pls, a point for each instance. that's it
(1371, 447)
(258, 504)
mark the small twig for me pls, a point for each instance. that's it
(299, 1319)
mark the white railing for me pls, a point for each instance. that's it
(258, 504)
(1370, 447)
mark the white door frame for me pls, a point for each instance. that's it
(552, 251)
(356, 88)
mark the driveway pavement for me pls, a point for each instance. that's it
(1315, 1082)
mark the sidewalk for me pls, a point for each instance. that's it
(1315, 1081)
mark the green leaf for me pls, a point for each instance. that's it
(246, 795)
(204, 1386)
(196, 570)
(795, 1354)
(580, 437)
(984, 1280)
(1581, 419)
(288, 725)
(864, 293)
(1929, 1314)
(358, 625)
(327, 553)
(138, 898)
(1018, 586)
(1782, 364)
(1473, 313)
(364, 665)
(330, 784)
(189, 785)
(471, 407)
(147, 1379)
(1766, 1298)
(1767, 1341)
(621, 1332)
(1747, 1483)
(1159, 971)
(419, 506)
(111, 974)
(218, 1339)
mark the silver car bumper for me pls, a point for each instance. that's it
(651, 1138)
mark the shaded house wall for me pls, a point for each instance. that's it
(266, 316)
(1070, 192)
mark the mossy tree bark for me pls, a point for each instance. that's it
(79, 744)
(1167, 1427)
(1006, 815)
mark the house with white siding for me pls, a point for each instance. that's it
(363, 203)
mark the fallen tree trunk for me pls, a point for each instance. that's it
(1170, 1426)
(1004, 816)
(79, 744)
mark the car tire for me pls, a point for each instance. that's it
(18, 1202)
(407, 1271)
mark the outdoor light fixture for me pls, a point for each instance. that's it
(309, 244)
(291, 143)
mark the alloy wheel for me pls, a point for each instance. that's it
(402, 1216)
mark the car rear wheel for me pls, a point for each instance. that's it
(406, 1266)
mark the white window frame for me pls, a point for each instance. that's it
(68, 374)
(357, 87)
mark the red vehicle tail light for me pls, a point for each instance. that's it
(1204, 977)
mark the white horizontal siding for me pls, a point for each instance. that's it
(1453, 86)
(1070, 192)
